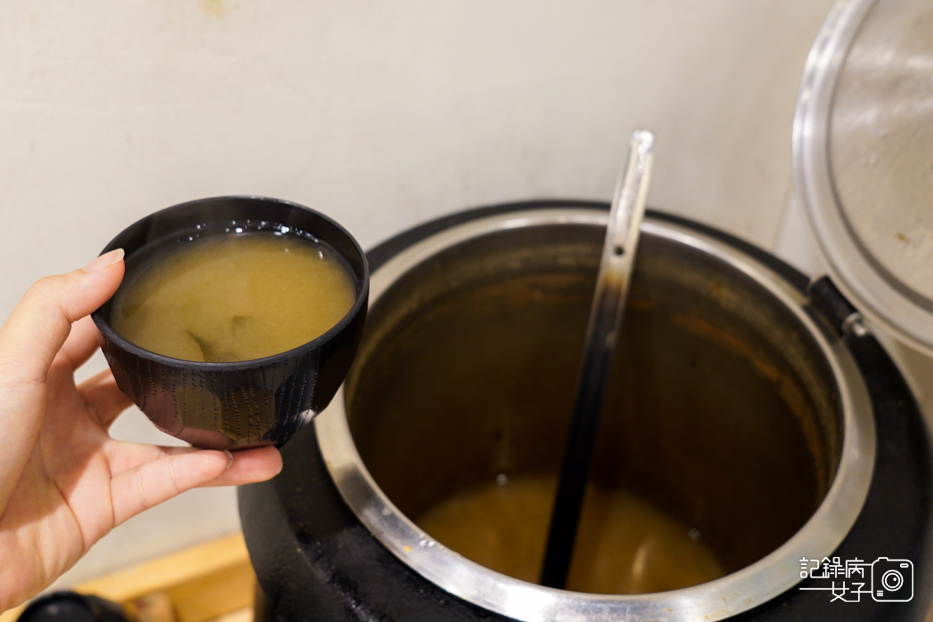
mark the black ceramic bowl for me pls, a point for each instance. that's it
(246, 403)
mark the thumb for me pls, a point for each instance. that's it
(40, 323)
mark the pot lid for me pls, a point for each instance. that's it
(863, 158)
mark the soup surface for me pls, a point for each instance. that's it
(234, 297)
(624, 545)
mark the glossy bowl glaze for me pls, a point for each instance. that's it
(246, 403)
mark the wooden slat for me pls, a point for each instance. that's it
(226, 590)
(243, 615)
(201, 583)
(163, 573)
(155, 607)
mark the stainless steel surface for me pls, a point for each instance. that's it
(863, 158)
(767, 444)
(612, 285)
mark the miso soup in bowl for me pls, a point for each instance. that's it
(237, 319)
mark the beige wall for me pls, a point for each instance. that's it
(380, 114)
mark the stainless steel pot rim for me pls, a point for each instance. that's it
(716, 600)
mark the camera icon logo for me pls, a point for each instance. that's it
(892, 580)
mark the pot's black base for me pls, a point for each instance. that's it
(316, 561)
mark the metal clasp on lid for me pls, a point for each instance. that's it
(835, 308)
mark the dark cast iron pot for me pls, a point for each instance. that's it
(760, 412)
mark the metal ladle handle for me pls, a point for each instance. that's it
(612, 285)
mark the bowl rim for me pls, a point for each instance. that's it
(359, 304)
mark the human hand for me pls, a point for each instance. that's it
(64, 483)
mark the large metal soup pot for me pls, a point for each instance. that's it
(744, 401)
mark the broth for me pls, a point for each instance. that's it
(624, 545)
(229, 298)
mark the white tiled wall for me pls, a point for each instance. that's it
(380, 114)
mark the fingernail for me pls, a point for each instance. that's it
(229, 458)
(107, 259)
